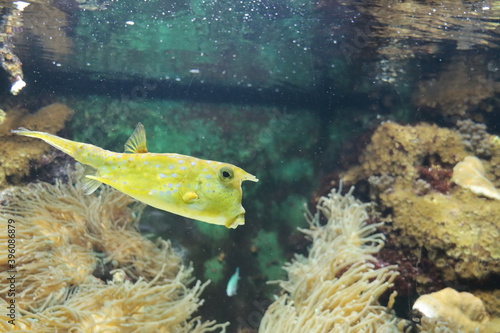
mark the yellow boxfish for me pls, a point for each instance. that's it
(204, 190)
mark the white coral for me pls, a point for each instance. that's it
(17, 86)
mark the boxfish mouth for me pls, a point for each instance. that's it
(234, 223)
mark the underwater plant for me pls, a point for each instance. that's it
(81, 265)
(337, 287)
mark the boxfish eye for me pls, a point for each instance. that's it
(226, 173)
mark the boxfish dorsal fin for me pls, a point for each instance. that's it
(137, 142)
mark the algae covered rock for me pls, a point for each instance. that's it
(459, 231)
(409, 169)
(398, 150)
(462, 87)
(17, 152)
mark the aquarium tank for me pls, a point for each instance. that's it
(250, 166)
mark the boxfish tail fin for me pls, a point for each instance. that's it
(83, 153)
(64, 145)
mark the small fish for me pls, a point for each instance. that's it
(232, 285)
(204, 190)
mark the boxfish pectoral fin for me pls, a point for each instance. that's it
(90, 179)
(90, 184)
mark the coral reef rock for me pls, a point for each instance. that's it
(17, 152)
(451, 226)
(459, 89)
(470, 174)
(462, 312)
(398, 150)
